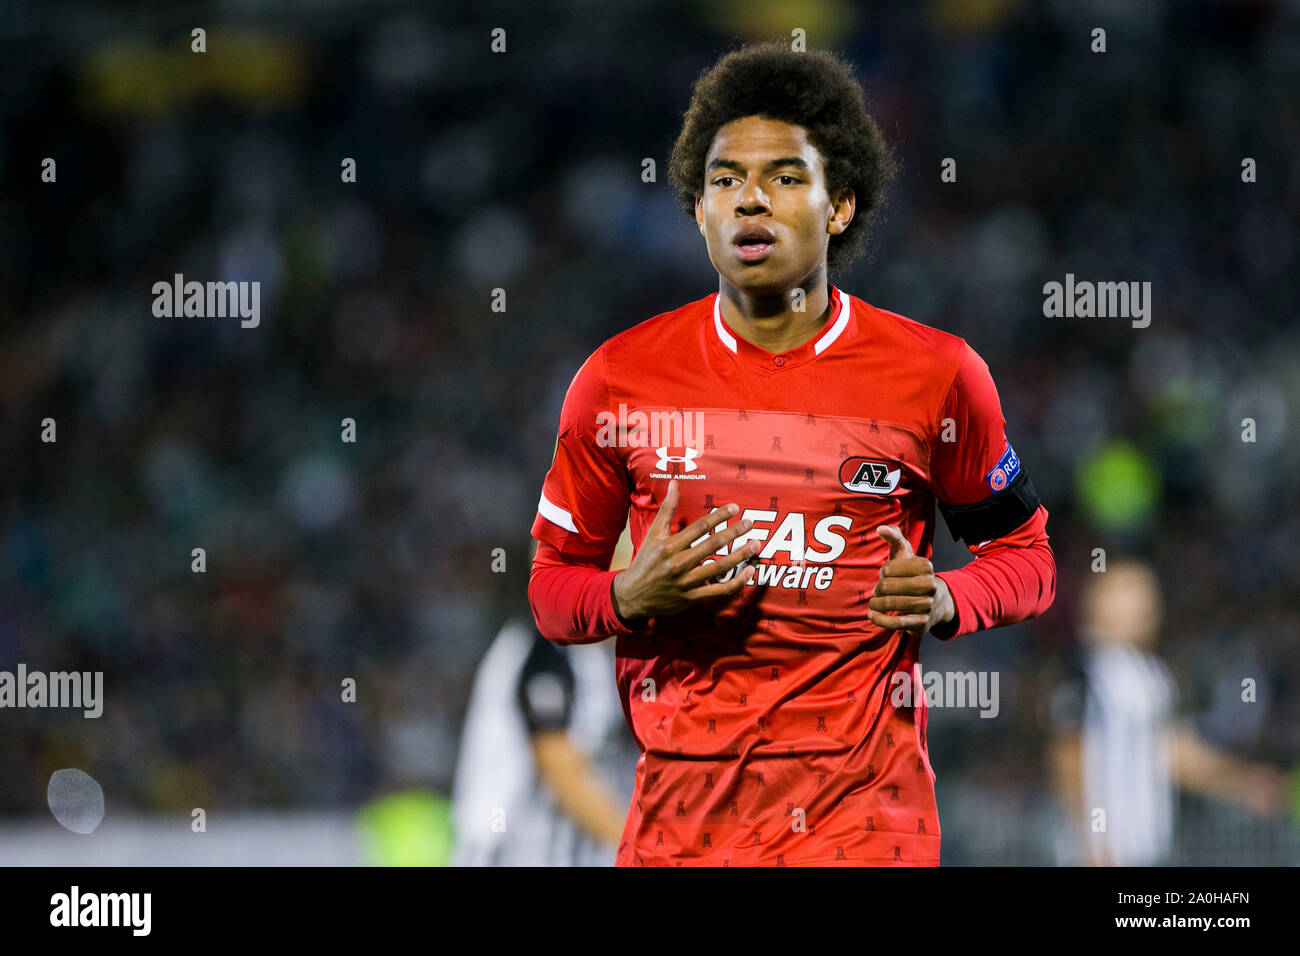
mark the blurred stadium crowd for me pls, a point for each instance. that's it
(522, 171)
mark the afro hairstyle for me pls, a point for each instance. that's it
(815, 90)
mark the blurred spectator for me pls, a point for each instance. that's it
(1121, 747)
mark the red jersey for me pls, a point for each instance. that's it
(768, 727)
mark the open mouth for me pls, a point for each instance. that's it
(753, 244)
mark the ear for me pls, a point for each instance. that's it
(699, 212)
(841, 211)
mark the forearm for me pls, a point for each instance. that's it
(1067, 776)
(571, 603)
(577, 789)
(1011, 579)
(1210, 772)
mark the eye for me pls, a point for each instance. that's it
(721, 179)
(792, 179)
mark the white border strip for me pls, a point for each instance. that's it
(555, 514)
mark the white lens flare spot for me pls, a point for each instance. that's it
(76, 800)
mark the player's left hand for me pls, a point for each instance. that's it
(909, 586)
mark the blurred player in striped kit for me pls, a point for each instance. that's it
(1120, 745)
(546, 764)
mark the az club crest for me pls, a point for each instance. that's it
(869, 476)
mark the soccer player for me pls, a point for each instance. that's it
(543, 773)
(780, 445)
(1120, 745)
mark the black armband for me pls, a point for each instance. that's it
(992, 518)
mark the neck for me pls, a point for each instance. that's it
(772, 322)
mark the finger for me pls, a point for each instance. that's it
(663, 520)
(901, 622)
(924, 584)
(725, 589)
(907, 605)
(682, 540)
(906, 567)
(899, 547)
(714, 542)
(712, 569)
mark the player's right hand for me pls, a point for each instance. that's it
(668, 573)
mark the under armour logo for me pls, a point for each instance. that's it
(687, 458)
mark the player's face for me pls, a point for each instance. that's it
(764, 176)
(1124, 605)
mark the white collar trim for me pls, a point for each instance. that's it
(827, 338)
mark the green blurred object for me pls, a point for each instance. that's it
(1184, 413)
(407, 828)
(1118, 487)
